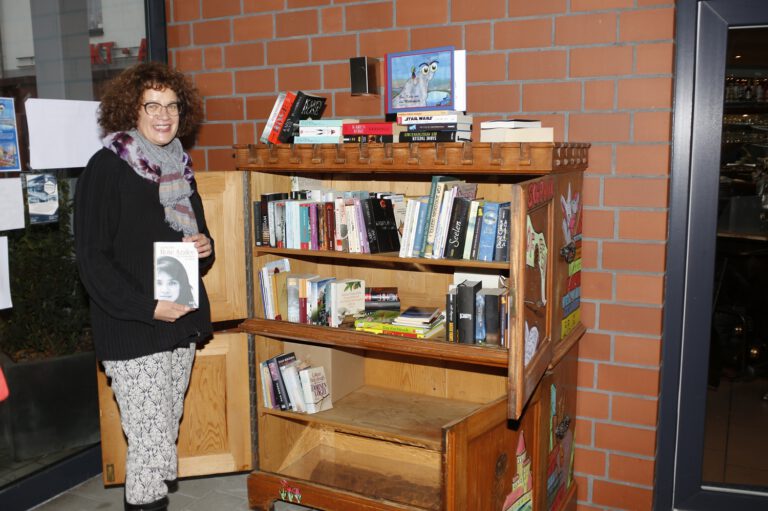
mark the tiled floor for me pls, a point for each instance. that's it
(221, 493)
(735, 446)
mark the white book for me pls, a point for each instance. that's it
(517, 135)
(271, 119)
(443, 219)
(471, 220)
(340, 225)
(267, 289)
(510, 123)
(410, 206)
(418, 206)
(317, 392)
(353, 237)
(290, 374)
(347, 298)
(266, 385)
(176, 272)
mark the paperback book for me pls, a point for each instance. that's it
(176, 272)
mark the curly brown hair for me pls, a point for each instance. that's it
(121, 101)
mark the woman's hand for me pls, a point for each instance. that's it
(202, 243)
(170, 311)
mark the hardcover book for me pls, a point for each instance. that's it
(282, 115)
(278, 385)
(487, 243)
(417, 316)
(317, 392)
(305, 106)
(176, 272)
(501, 250)
(368, 128)
(510, 123)
(347, 298)
(380, 225)
(264, 138)
(457, 228)
(493, 308)
(434, 136)
(465, 308)
(268, 292)
(287, 363)
(517, 135)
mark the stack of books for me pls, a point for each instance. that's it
(515, 130)
(290, 108)
(288, 383)
(414, 322)
(434, 126)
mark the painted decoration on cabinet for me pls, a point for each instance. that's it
(560, 459)
(571, 300)
(531, 342)
(521, 496)
(537, 243)
(289, 493)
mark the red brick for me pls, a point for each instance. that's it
(589, 254)
(643, 225)
(598, 95)
(514, 35)
(643, 160)
(262, 5)
(486, 67)
(212, 56)
(629, 380)
(619, 496)
(255, 81)
(259, 107)
(641, 257)
(537, 65)
(468, 10)
(598, 223)
(582, 433)
(332, 20)
(253, 28)
(305, 78)
(184, 10)
(332, 47)
(357, 106)
(601, 61)
(591, 191)
(424, 12)
(211, 32)
(637, 350)
(641, 193)
(594, 405)
(625, 439)
(223, 109)
(214, 84)
(582, 489)
(551, 96)
(645, 93)
(477, 36)
(654, 58)
(220, 159)
(589, 461)
(215, 134)
(493, 98)
(630, 319)
(632, 410)
(244, 55)
(431, 37)
(588, 314)
(631, 469)
(585, 29)
(600, 5)
(245, 133)
(647, 25)
(607, 127)
(289, 51)
(220, 8)
(198, 159)
(298, 4)
(600, 159)
(585, 375)
(369, 16)
(597, 285)
(594, 346)
(295, 23)
(653, 126)
(179, 36)
(336, 76)
(188, 60)
(383, 42)
(519, 8)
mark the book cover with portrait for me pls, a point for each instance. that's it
(176, 270)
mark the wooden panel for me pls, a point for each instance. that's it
(214, 434)
(222, 194)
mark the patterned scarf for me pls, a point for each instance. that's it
(167, 165)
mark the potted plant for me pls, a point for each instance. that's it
(47, 353)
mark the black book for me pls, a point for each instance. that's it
(305, 106)
(434, 136)
(457, 228)
(257, 223)
(476, 234)
(465, 308)
(266, 198)
(380, 224)
(492, 314)
(367, 139)
(450, 316)
(278, 385)
(501, 250)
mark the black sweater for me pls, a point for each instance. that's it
(118, 216)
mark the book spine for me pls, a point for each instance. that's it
(281, 393)
(292, 119)
(329, 227)
(476, 233)
(362, 232)
(492, 311)
(438, 126)
(305, 234)
(454, 244)
(432, 119)
(443, 218)
(487, 242)
(370, 226)
(433, 136)
(465, 307)
(501, 249)
(352, 235)
(434, 213)
(367, 139)
(257, 223)
(420, 230)
(479, 318)
(282, 115)
(381, 294)
(341, 244)
(368, 128)
(407, 227)
(316, 139)
(264, 138)
(319, 131)
(293, 386)
(450, 316)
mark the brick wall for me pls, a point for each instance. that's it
(596, 70)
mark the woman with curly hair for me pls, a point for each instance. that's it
(139, 189)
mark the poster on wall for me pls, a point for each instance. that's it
(430, 79)
(42, 198)
(9, 138)
(11, 204)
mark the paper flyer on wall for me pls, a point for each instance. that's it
(9, 137)
(5, 276)
(11, 204)
(42, 198)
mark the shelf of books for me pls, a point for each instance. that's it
(409, 299)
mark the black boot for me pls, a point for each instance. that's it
(158, 505)
(172, 484)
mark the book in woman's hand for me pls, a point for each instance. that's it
(176, 272)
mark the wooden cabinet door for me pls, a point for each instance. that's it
(215, 435)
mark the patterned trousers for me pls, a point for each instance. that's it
(150, 393)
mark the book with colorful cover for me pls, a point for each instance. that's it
(347, 298)
(417, 315)
(317, 392)
(304, 106)
(282, 115)
(264, 138)
(176, 272)
(487, 242)
(374, 321)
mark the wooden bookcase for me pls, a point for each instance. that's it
(423, 424)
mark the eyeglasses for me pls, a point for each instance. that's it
(154, 109)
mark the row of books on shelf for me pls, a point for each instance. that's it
(450, 222)
(291, 384)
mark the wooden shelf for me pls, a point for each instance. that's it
(394, 416)
(348, 338)
(384, 258)
(525, 159)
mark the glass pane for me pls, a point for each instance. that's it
(55, 49)
(735, 450)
